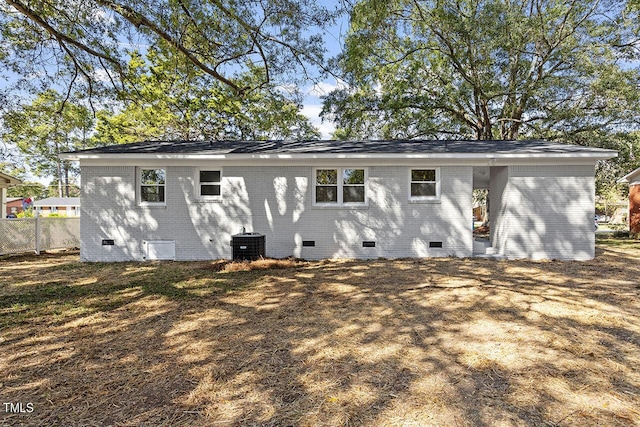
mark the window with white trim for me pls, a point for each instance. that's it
(425, 184)
(209, 184)
(340, 186)
(152, 186)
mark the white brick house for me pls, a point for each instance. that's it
(321, 199)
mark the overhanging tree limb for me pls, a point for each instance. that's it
(222, 39)
(61, 37)
(138, 20)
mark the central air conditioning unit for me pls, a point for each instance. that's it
(248, 246)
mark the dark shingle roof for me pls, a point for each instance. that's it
(343, 147)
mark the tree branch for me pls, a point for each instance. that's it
(139, 20)
(37, 19)
(194, 22)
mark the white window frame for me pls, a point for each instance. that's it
(340, 184)
(424, 199)
(139, 184)
(198, 183)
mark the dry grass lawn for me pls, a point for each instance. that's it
(450, 342)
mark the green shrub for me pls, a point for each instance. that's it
(26, 214)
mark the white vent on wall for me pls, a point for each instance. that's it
(159, 249)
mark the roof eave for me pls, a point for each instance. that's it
(597, 155)
(8, 180)
(630, 176)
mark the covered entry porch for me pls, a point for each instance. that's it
(482, 246)
(537, 211)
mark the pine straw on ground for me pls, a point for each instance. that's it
(446, 342)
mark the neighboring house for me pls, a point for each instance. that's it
(633, 179)
(321, 199)
(17, 205)
(6, 181)
(63, 206)
(14, 205)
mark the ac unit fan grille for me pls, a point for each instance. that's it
(248, 246)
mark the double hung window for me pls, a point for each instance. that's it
(152, 186)
(425, 184)
(209, 184)
(340, 186)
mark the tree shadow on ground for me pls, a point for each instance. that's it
(424, 342)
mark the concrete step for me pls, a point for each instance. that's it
(483, 249)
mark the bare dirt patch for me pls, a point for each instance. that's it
(384, 342)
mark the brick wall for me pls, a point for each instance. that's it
(14, 207)
(275, 201)
(548, 212)
(634, 210)
(498, 207)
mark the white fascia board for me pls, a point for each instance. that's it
(266, 159)
(334, 162)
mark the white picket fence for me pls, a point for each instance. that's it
(38, 234)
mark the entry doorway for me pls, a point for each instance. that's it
(482, 245)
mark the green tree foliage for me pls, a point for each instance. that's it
(627, 144)
(91, 40)
(488, 69)
(52, 189)
(12, 168)
(169, 99)
(27, 189)
(44, 129)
